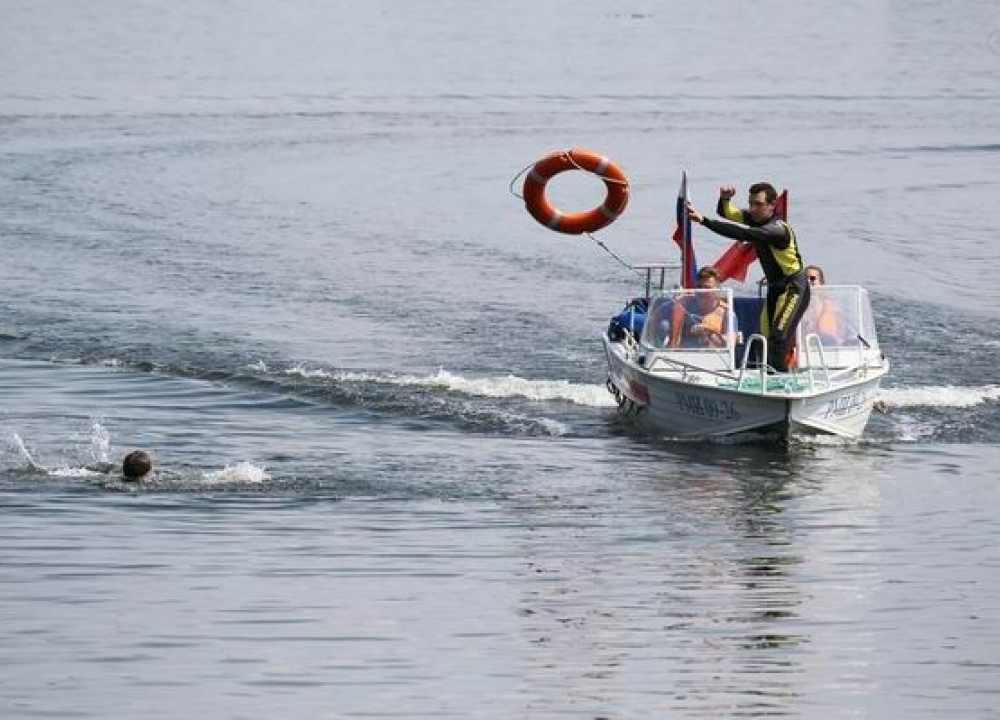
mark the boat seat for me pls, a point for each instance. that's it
(748, 311)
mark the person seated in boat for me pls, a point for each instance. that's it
(703, 320)
(824, 316)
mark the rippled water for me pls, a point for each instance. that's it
(274, 245)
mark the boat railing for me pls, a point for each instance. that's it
(813, 343)
(817, 370)
(670, 362)
(651, 270)
(754, 339)
(817, 375)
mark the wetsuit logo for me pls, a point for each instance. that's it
(787, 304)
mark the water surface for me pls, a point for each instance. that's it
(276, 247)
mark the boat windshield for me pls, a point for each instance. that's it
(700, 320)
(841, 315)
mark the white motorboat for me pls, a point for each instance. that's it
(718, 383)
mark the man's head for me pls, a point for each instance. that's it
(137, 464)
(709, 278)
(762, 199)
(814, 273)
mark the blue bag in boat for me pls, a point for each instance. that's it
(630, 320)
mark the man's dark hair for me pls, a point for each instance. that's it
(707, 271)
(136, 464)
(770, 194)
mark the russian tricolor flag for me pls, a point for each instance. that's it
(682, 236)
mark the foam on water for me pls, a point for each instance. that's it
(74, 472)
(100, 441)
(241, 473)
(509, 386)
(21, 451)
(940, 396)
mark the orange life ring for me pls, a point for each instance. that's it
(582, 222)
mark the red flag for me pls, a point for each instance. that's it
(734, 263)
(738, 258)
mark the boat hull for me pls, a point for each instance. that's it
(690, 406)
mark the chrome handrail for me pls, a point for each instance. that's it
(822, 359)
(756, 337)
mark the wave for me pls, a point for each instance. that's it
(940, 396)
(508, 386)
(108, 475)
(242, 473)
(21, 451)
(75, 472)
(512, 386)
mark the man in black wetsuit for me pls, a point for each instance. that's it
(778, 251)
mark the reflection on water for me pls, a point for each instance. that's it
(736, 585)
(708, 580)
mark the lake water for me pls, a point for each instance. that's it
(275, 245)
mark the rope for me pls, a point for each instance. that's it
(610, 252)
(574, 163)
(516, 178)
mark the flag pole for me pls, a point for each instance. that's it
(686, 225)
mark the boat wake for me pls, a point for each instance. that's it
(509, 386)
(940, 396)
(941, 413)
